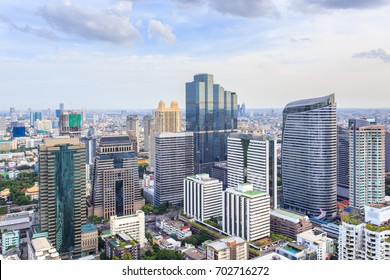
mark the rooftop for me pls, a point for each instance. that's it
(88, 228)
(287, 215)
(40, 244)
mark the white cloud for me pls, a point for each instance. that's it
(111, 25)
(160, 31)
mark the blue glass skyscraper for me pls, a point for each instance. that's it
(211, 114)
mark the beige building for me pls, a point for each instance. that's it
(132, 225)
(4, 194)
(168, 119)
(41, 249)
(231, 248)
(289, 223)
(89, 239)
(7, 145)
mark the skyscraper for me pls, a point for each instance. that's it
(3, 124)
(309, 156)
(253, 159)
(343, 162)
(34, 116)
(366, 163)
(70, 123)
(387, 152)
(148, 124)
(62, 193)
(173, 161)
(211, 113)
(132, 128)
(115, 182)
(168, 119)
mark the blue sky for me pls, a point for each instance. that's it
(131, 54)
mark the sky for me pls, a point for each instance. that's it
(112, 54)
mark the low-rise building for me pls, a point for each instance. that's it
(289, 223)
(194, 254)
(295, 251)
(132, 225)
(41, 249)
(33, 192)
(174, 228)
(231, 248)
(119, 244)
(89, 239)
(272, 256)
(317, 240)
(169, 244)
(9, 240)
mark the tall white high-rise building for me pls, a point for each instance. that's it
(202, 197)
(132, 225)
(309, 157)
(253, 159)
(173, 162)
(368, 239)
(366, 163)
(246, 212)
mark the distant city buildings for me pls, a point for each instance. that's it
(35, 116)
(148, 124)
(246, 212)
(173, 163)
(70, 124)
(309, 156)
(211, 114)
(366, 163)
(115, 182)
(253, 159)
(62, 201)
(202, 197)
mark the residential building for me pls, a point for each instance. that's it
(289, 223)
(9, 240)
(366, 163)
(317, 240)
(8, 145)
(368, 239)
(132, 225)
(246, 212)
(295, 251)
(253, 159)
(62, 193)
(173, 163)
(70, 124)
(115, 182)
(89, 239)
(132, 128)
(231, 248)
(119, 244)
(194, 254)
(309, 157)
(202, 197)
(43, 126)
(387, 152)
(211, 114)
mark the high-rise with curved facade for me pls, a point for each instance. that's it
(309, 156)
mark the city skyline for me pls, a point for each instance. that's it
(269, 52)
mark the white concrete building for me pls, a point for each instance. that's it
(368, 240)
(41, 249)
(202, 197)
(132, 225)
(246, 212)
(317, 240)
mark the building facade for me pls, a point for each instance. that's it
(89, 239)
(132, 128)
(173, 163)
(168, 119)
(387, 152)
(253, 159)
(148, 124)
(289, 223)
(70, 123)
(231, 248)
(343, 162)
(317, 240)
(246, 212)
(202, 197)
(366, 164)
(211, 113)
(132, 225)
(115, 182)
(62, 193)
(309, 156)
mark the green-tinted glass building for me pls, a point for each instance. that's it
(62, 193)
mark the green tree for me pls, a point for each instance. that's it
(114, 258)
(127, 256)
(169, 255)
(23, 200)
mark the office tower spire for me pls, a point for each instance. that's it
(309, 155)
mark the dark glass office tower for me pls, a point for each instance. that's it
(342, 162)
(211, 114)
(62, 193)
(309, 156)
